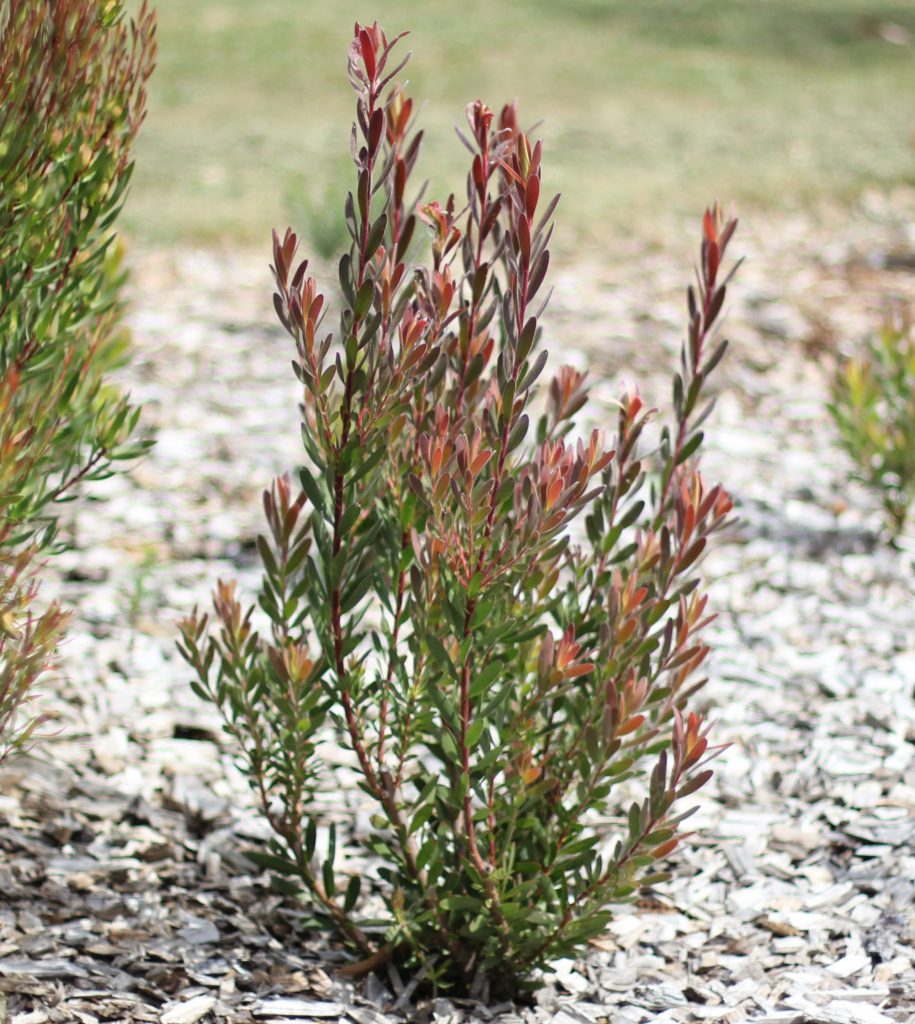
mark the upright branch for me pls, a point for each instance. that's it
(705, 301)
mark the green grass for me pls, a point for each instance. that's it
(648, 108)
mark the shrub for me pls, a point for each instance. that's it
(72, 97)
(873, 406)
(501, 680)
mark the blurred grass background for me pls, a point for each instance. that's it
(648, 109)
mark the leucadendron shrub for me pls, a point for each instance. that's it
(499, 621)
(72, 97)
(873, 407)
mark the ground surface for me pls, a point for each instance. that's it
(656, 105)
(127, 894)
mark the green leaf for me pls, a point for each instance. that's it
(484, 679)
(363, 302)
(426, 853)
(421, 817)
(438, 652)
(461, 903)
(346, 280)
(518, 432)
(327, 871)
(284, 886)
(353, 889)
(690, 447)
(273, 862)
(266, 554)
(474, 732)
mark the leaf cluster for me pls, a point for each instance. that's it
(501, 624)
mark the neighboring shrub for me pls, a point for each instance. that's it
(873, 406)
(502, 682)
(72, 97)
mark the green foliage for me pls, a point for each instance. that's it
(873, 406)
(72, 97)
(514, 692)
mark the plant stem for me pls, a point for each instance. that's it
(485, 870)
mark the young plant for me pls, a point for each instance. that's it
(72, 97)
(515, 692)
(873, 406)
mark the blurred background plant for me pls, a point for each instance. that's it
(873, 406)
(72, 97)
(316, 209)
(649, 108)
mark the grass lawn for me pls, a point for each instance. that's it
(648, 108)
